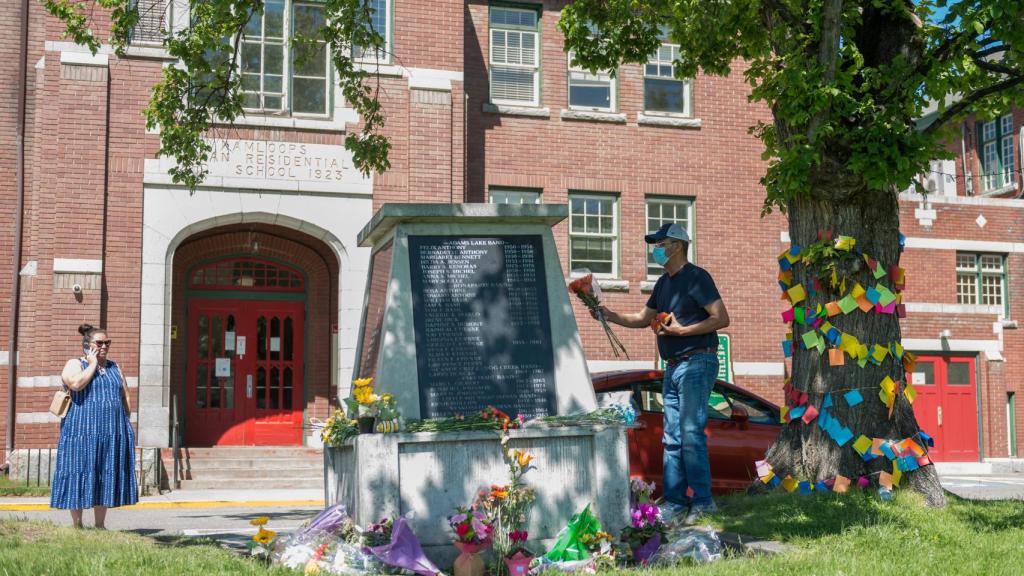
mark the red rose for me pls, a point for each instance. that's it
(462, 529)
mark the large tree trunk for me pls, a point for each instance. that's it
(805, 451)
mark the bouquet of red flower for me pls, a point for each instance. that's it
(471, 526)
(590, 295)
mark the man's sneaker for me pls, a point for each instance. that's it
(696, 511)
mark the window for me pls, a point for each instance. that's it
(380, 20)
(277, 77)
(514, 196)
(661, 211)
(590, 91)
(594, 233)
(514, 56)
(997, 163)
(662, 91)
(153, 18)
(981, 279)
(721, 402)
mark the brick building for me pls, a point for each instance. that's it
(260, 264)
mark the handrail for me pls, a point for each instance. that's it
(175, 445)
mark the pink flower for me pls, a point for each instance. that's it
(457, 519)
(462, 529)
(480, 527)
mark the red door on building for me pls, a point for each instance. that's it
(946, 407)
(244, 373)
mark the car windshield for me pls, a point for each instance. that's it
(720, 403)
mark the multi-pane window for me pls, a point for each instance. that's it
(981, 279)
(514, 56)
(594, 233)
(997, 158)
(662, 211)
(380, 20)
(589, 91)
(663, 92)
(158, 17)
(514, 196)
(276, 76)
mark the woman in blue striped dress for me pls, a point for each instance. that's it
(96, 453)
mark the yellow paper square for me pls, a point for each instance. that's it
(797, 294)
(858, 291)
(862, 444)
(888, 385)
(910, 393)
(789, 483)
(879, 353)
(897, 475)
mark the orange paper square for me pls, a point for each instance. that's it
(885, 480)
(836, 357)
(876, 446)
(833, 309)
(841, 484)
(864, 304)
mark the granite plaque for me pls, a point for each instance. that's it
(482, 325)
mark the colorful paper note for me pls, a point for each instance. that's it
(876, 446)
(885, 295)
(810, 414)
(841, 484)
(843, 436)
(845, 243)
(857, 291)
(853, 397)
(910, 392)
(878, 272)
(827, 401)
(890, 308)
(787, 348)
(788, 316)
(797, 412)
(833, 308)
(864, 304)
(847, 304)
(872, 295)
(805, 488)
(797, 294)
(901, 311)
(798, 315)
(836, 357)
(782, 414)
(789, 483)
(810, 339)
(926, 438)
(878, 353)
(821, 486)
(897, 475)
(862, 445)
(885, 480)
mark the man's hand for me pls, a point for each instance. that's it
(604, 311)
(667, 325)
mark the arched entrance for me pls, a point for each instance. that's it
(252, 335)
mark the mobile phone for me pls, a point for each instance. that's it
(86, 349)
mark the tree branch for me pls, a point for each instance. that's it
(828, 54)
(994, 66)
(964, 103)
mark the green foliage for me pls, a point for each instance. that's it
(201, 91)
(15, 487)
(844, 81)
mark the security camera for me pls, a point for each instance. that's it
(77, 288)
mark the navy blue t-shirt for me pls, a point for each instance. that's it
(685, 295)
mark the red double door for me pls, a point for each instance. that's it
(947, 406)
(245, 373)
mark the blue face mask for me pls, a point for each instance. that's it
(660, 256)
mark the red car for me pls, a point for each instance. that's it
(741, 427)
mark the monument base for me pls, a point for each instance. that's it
(428, 475)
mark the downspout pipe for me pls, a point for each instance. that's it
(12, 325)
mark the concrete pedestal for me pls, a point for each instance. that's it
(430, 474)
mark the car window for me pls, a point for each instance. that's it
(651, 401)
(759, 411)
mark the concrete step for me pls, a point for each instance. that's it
(296, 483)
(265, 463)
(1006, 465)
(254, 473)
(250, 452)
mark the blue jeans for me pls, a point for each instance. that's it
(685, 392)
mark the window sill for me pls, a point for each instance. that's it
(593, 116)
(606, 284)
(148, 50)
(647, 286)
(507, 110)
(999, 191)
(668, 120)
(260, 121)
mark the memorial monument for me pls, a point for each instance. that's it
(467, 307)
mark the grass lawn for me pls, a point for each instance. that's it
(42, 548)
(858, 534)
(10, 487)
(849, 535)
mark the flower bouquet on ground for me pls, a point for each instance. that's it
(338, 428)
(508, 505)
(645, 532)
(590, 294)
(473, 532)
(262, 544)
(518, 558)
(601, 546)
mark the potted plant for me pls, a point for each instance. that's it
(472, 531)
(645, 532)
(364, 404)
(518, 558)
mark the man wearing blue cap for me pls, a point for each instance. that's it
(685, 310)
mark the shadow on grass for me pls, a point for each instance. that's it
(786, 517)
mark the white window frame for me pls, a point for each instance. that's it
(175, 18)
(974, 272)
(590, 78)
(663, 74)
(996, 153)
(677, 201)
(385, 58)
(287, 73)
(535, 67)
(511, 194)
(614, 236)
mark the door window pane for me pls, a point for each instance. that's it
(275, 388)
(275, 339)
(203, 339)
(958, 374)
(287, 343)
(286, 392)
(201, 376)
(215, 384)
(261, 338)
(924, 373)
(261, 388)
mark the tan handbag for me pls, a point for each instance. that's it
(60, 403)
